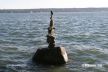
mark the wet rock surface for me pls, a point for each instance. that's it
(55, 56)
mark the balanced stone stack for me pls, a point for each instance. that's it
(51, 33)
(51, 55)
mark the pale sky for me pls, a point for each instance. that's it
(27, 4)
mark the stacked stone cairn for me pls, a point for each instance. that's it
(51, 33)
(51, 55)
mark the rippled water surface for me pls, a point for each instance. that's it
(83, 34)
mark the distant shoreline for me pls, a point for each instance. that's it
(53, 9)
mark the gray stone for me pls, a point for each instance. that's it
(53, 56)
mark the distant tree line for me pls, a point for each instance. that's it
(53, 9)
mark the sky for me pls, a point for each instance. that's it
(31, 4)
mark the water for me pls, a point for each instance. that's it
(83, 34)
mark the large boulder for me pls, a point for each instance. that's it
(53, 56)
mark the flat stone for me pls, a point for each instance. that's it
(53, 56)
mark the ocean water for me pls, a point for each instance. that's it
(83, 34)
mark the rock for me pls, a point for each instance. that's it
(53, 56)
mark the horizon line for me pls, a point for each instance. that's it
(52, 8)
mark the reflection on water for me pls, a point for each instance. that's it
(83, 34)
